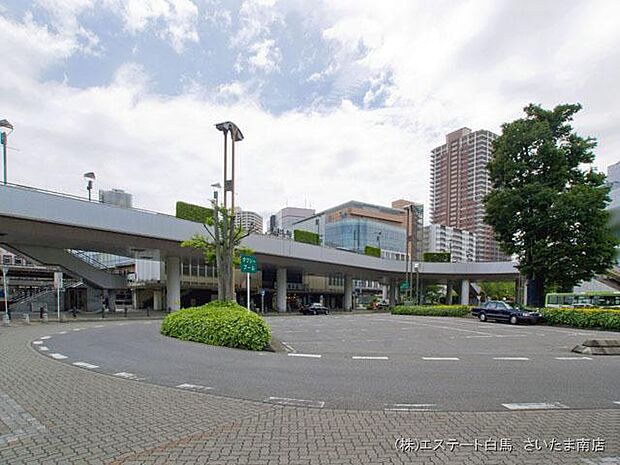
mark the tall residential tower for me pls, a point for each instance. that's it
(459, 183)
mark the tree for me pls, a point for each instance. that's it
(224, 248)
(546, 207)
(498, 290)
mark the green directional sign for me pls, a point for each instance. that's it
(248, 264)
(404, 286)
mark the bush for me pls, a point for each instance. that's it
(431, 310)
(191, 212)
(583, 317)
(372, 251)
(437, 257)
(306, 237)
(220, 324)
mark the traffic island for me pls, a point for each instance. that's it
(599, 347)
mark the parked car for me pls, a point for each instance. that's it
(503, 311)
(382, 305)
(314, 308)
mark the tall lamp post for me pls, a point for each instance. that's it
(6, 318)
(6, 128)
(416, 267)
(89, 178)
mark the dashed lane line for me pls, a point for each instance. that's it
(194, 387)
(535, 406)
(90, 366)
(295, 402)
(44, 349)
(45, 338)
(58, 356)
(304, 355)
(511, 358)
(37, 343)
(369, 357)
(573, 358)
(126, 375)
(437, 359)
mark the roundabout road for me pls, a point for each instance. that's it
(363, 362)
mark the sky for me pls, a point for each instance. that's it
(337, 99)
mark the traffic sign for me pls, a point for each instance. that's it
(404, 286)
(248, 264)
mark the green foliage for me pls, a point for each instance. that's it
(431, 310)
(218, 323)
(544, 207)
(437, 257)
(372, 251)
(306, 237)
(195, 213)
(498, 290)
(433, 294)
(583, 317)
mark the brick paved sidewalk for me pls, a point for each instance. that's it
(54, 413)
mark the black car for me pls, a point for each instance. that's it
(503, 311)
(314, 308)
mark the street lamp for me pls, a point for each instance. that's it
(217, 186)
(6, 128)
(89, 178)
(235, 136)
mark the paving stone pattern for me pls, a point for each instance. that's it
(57, 413)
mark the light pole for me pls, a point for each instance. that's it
(89, 178)
(6, 318)
(416, 267)
(6, 128)
(379, 239)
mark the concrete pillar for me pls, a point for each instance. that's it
(173, 283)
(449, 293)
(384, 292)
(281, 290)
(465, 292)
(393, 293)
(157, 298)
(112, 300)
(348, 293)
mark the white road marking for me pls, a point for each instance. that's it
(194, 387)
(58, 356)
(573, 358)
(43, 349)
(536, 406)
(510, 358)
(126, 375)
(409, 407)
(616, 402)
(37, 343)
(295, 402)
(99, 326)
(62, 332)
(368, 357)
(473, 337)
(78, 329)
(288, 347)
(441, 358)
(45, 338)
(304, 355)
(85, 365)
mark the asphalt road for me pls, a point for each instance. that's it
(375, 362)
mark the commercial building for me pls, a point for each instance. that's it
(459, 183)
(250, 221)
(282, 222)
(460, 243)
(355, 225)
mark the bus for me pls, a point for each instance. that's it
(583, 299)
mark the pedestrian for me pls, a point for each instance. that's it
(41, 311)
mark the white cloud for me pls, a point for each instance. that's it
(266, 56)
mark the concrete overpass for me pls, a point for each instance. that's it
(44, 225)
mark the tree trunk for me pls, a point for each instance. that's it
(536, 291)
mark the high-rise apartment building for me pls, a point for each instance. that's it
(288, 216)
(250, 221)
(460, 243)
(459, 183)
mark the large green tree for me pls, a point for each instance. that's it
(547, 205)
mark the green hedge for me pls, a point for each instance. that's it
(306, 237)
(372, 251)
(437, 257)
(431, 310)
(218, 323)
(583, 317)
(191, 212)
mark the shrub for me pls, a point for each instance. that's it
(306, 237)
(218, 323)
(437, 257)
(431, 310)
(583, 317)
(372, 251)
(191, 212)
